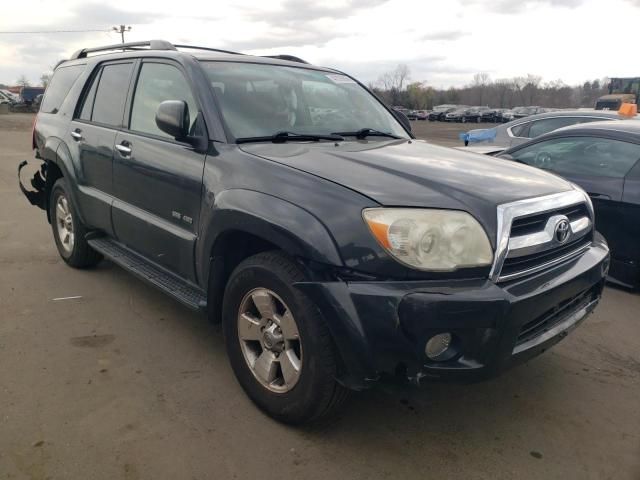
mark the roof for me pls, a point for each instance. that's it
(629, 126)
(567, 113)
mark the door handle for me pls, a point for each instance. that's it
(76, 134)
(124, 150)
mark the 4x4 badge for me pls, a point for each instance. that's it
(562, 230)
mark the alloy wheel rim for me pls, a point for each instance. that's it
(269, 340)
(64, 223)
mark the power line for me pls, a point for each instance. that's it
(53, 31)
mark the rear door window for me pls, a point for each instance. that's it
(58, 89)
(546, 125)
(111, 95)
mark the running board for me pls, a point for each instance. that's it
(184, 292)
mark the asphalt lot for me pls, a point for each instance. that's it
(124, 383)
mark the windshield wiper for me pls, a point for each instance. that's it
(282, 137)
(367, 132)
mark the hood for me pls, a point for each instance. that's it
(415, 173)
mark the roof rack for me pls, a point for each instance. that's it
(195, 47)
(152, 44)
(164, 45)
(290, 58)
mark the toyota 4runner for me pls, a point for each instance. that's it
(288, 202)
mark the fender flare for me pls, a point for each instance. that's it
(64, 161)
(286, 225)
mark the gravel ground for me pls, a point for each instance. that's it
(124, 383)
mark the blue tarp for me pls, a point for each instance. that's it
(486, 135)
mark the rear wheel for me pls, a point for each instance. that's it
(278, 343)
(68, 231)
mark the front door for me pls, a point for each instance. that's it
(158, 180)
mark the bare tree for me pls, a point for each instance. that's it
(480, 82)
(402, 75)
(504, 89)
(394, 83)
(45, 78)
(530, 88)
(23, 81)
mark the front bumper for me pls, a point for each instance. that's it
(382, 327)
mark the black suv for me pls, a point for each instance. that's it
(288, 202)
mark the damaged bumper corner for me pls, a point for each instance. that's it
(38, 182)
(383, 327)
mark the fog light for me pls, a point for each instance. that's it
(438, 345)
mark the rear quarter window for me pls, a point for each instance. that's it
(58, 89)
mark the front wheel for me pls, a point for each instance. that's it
(278, 343)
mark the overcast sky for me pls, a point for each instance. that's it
(443, 42)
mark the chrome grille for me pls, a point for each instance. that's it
(536, 234)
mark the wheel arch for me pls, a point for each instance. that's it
(244, 223)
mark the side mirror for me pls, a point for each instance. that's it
(172, 117)
(402, 118)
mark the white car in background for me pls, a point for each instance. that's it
(8, 97)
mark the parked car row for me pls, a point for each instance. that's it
(466, 113)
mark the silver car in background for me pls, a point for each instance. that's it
(524, 129)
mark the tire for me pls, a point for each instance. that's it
(314, 393)
(68, 233)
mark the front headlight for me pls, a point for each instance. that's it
(426, 239)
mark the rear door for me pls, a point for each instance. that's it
(91, 138)
(158, 180)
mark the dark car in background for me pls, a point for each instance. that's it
(439, 111)
(456, 115)
(493, 115)
(604, 159)
(474, 114)
(521, 112)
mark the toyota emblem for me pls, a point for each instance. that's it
(562, 230)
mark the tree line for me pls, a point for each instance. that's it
(397, 89)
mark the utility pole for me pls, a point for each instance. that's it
(121, 29)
